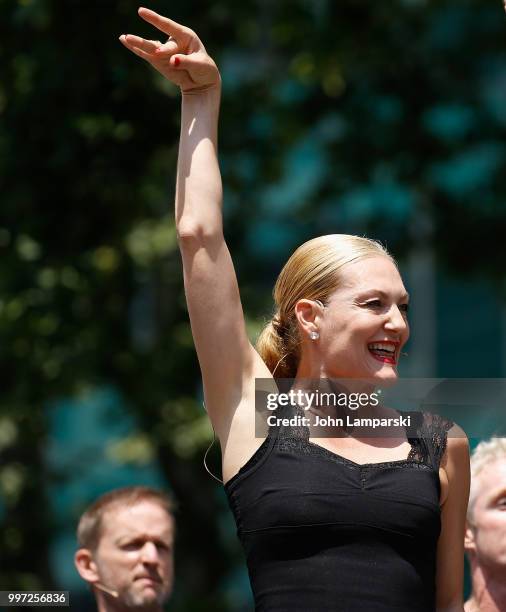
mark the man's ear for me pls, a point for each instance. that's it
(85, 565)
(469, 543)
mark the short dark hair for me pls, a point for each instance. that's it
(89, 529)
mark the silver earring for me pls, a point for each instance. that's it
(314, 335)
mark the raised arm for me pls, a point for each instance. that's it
(228, 361)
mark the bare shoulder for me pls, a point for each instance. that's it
(454, 470)
(457, 449)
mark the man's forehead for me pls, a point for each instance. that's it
(492, 477)
(135, 519)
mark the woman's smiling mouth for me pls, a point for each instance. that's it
(385, 351)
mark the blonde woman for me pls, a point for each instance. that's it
(337, 523)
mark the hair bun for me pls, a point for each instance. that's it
(278, 326)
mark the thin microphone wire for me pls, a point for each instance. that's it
(207, 452)
(105, 589)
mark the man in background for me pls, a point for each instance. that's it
(126, 546)
(485, 540)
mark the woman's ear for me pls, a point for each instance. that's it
(85, 565)
(307, 313)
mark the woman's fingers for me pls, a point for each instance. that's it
(182, 59)
(164, 24)
(200, 68)
(191, 63)
(126, 40)
(169, 47)
(149, 46)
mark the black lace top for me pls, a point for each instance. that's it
(322, 532)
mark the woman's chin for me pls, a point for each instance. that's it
(387, 375)
(368, 372)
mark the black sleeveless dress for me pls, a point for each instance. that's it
(323, 533)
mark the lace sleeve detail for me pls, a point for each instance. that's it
(428, 435)
(435, 432)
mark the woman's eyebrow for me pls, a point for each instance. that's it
(369, 292)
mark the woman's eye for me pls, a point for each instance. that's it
(404, 308)
(373, 304)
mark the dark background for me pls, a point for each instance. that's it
(378, 118)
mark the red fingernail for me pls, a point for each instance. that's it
(176, 61)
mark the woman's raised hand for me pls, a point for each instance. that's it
(182, 59)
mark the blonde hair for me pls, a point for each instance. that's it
(89, 529)
(486, 452)
(312, 272)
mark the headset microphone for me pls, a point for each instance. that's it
(110, 592)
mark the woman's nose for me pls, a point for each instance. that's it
(396, 319)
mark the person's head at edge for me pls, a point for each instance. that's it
(485, 539)
(126, 547)
(336, 299)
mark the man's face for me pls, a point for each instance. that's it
(489, 516)
(135, 554)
